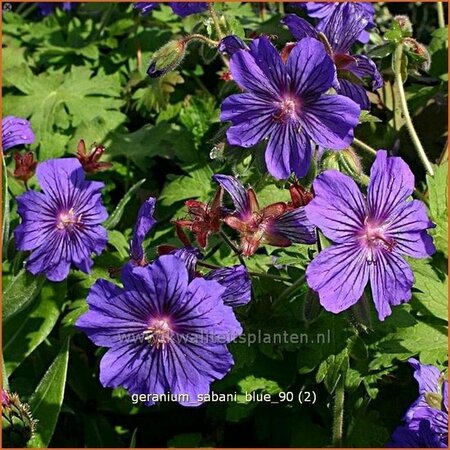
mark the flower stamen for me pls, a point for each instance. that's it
(158, 333)
(374, 238)
(287, 110)
(68, 219)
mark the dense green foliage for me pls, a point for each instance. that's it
(81, 75)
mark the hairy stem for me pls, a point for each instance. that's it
(215, 20)
(441, 16)
(338, 418)
(213, 250)
(408, 121)
(233, 247)
(362, 145)
(200, 37)
(229, 243)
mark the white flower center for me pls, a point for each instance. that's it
(159, 332)
(375, 238)
(68, 219)
(288, 109)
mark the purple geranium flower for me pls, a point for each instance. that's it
(323, 11)
(16, 131)
(164, 332)
(278, 224)
(181, 9)
(427, 418)
(62, 224)
(184, 9)
(341, 31)
(288, 104)
(231, 44)
(370, 236)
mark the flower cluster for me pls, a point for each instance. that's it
(339, 33)
(167, 320)
(235, 278)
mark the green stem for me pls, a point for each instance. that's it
(362, 145)
(440, 12)
(219, 32)
(103, 22)
(127, 178)
(213, 250)
(229, 243)
(233, 247)
(200, 37)
(338, 419)
(289, 290)
(29, 10)
(420, 196)
(408, 121)
(215, 20)
(268, 275)
(20, 8)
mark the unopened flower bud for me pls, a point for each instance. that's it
(17, 423)
(419, 50)
(229, 45)
(167, 58)
(405, 24)
(346, 161)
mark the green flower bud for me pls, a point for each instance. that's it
(167, 58)
(17, 423)
(418, 54)
(405, 24)
(346, 161)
